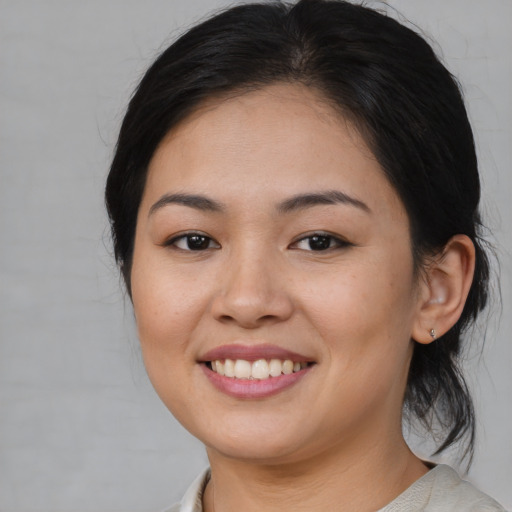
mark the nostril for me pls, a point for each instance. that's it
(268, 318)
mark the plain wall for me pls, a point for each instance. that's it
(80, 427)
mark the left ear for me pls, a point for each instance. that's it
(444, 289)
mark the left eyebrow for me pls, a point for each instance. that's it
(302, 201)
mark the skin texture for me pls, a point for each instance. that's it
(354, 309)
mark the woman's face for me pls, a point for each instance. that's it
(269, 233)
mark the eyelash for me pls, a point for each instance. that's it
(206, 242)
(321, 237)
(188, 237)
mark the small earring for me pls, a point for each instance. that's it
(433, 334)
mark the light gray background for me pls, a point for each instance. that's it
(80, 427)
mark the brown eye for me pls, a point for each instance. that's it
(319, 242)
(193, 242)
(197, 242)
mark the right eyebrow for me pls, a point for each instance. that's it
(198, 202)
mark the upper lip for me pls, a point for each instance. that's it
(252, 353)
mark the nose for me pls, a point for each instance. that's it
(252, 293)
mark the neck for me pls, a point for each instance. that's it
(365, 480)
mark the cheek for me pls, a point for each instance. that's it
(167, 306)
(167, 312)
(165, 322)
(362, 293)
(363, 311)
(365, 320)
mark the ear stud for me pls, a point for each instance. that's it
(433, 334)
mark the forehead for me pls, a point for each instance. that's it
(265, 144)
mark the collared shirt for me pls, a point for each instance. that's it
(439, 490)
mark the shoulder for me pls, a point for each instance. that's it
(450, 492)
(193, 498)
(442, 490)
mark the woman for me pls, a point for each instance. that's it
(294, 206)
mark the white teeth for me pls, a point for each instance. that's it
(260, 369)
(275, 367)
(229, 368)
(288, 367)
(242, 369)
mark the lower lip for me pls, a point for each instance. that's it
(253, 388)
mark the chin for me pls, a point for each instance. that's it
(265, 443)
(259, 452)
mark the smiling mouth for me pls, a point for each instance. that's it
(261, 369)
